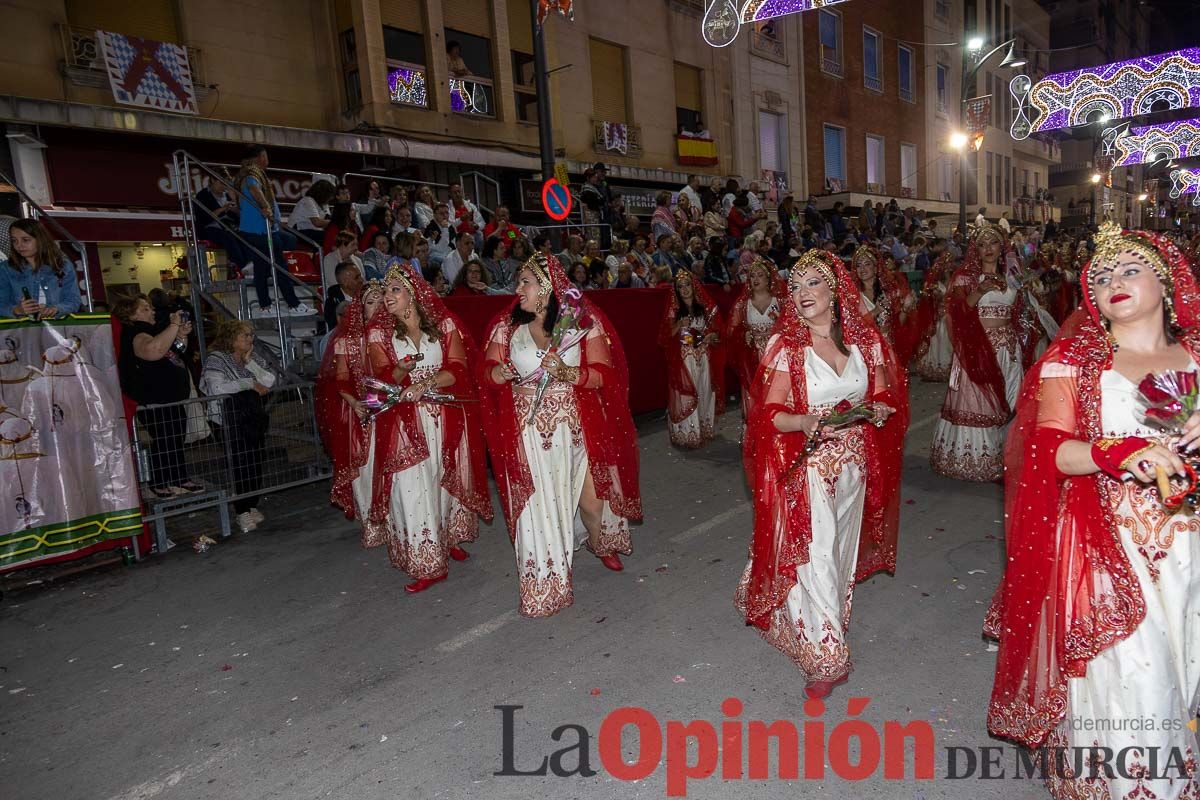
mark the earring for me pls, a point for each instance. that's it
(1169, 302)
(408, 312)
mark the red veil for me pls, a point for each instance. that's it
(682, 397)
(972, 348)
(346, 439)
(608, 431)
(922, 323)
(399, 439)
(1068, 591)
(744, 357)
(782, 519)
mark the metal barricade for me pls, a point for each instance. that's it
(234, 447)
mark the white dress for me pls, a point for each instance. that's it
(425, 520)
(696, 429)
(1154, 674)
(934, 363)
(549, 528)
(967, 445)
(811, 626)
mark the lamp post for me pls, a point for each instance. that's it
(971, 51)
(542, 85)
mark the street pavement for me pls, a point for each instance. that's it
(289, 663)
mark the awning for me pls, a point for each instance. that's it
(118, 224)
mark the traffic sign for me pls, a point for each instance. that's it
(556, 200)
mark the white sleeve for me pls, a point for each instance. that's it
(212, 383)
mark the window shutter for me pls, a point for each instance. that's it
(768, 141)
(833, 153)
(468, 16)
(520, 28)
(402, 14)
(687, 88)
(608, 82)
(149, 19)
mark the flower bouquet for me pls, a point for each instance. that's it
(843, 414)
(570, 329)
(1171, 398)
(691, 337)
(379, 396)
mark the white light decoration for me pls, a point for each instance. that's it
(724, 18)
(1119, 90)
(1186, 181)
(1179, 139)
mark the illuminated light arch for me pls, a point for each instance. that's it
(1055, 101)
(723, 19)
(1186, 181)
(1088, 108)
(1179, 139)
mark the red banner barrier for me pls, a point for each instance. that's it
(635, 313)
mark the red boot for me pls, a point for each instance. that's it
(421, 584)
(458, 554)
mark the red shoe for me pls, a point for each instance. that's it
(612, 561)
(819, 690)
(458, 554)
(421, 584)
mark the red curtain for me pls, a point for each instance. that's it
(635, 313)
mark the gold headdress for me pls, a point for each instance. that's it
(375, 286)
(1111, 242)
(684, 276)
(541, 270)
(813, 259)
(864, 250)
(987, 231)
(398, 273)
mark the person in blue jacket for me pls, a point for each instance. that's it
(37, 280)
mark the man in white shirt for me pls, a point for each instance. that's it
(980, 219)
(404, 222)
(463, 252)
(344, 249)
(692, 192)
(463, 213)
(752, 198)
(1004, 222)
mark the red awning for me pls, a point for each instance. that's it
(118, 225)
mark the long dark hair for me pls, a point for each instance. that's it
(423, 322)
(520, 316)
(48, 252)
(696, 309)
(340, 217)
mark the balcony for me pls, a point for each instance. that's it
(767, 45)
(83, 63)
(907, 94)
(633, 145)
(831, 62)
(875, 84)
(407, 84)
(473, 97)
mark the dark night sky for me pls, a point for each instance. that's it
(1173, 27)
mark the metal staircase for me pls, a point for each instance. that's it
(288, 340)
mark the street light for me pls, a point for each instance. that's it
(958, 140)
(1011, 61)
(1143, 197)
(1096, 177)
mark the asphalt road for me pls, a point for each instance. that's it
(289, 663)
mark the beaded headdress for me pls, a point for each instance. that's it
(684, 276)
(541, 270)
(1111, 241)
(398, 273)
(987, 232)
(864, 252)
(374, 286)
(813, 259)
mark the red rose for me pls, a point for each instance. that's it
(843, 407)
(1151, 388)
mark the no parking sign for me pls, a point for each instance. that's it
(556, 200)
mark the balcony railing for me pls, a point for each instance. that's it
(767, 45)
(874, 84)
(906, 94)
(633, 145)
(472, 96)
(831, 61)
(83, 63)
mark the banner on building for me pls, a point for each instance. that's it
(146, 73)
(616, 137)
(564, 7)
(979, 114)
(67, 479)
(694, 152)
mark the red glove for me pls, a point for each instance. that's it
(1114, 455)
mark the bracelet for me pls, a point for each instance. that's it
(1114, 455)
(568, 374)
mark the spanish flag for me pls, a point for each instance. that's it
(695, 152)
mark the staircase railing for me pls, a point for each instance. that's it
(199, 278)
(35, 211)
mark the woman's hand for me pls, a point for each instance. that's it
(882, 412)
(402, 369)
(1191, 432)
(1144, 465)
(359, 409)
(808, 424)
(712, 338)
(27, 308)
(416, 391)
(47, 312)
(552, 363)
(185, 330)
(262, 390)
(503, 373)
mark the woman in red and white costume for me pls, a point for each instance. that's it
(690, 336)
(430, 479)
(992, 344)
(886, 296)
(567, 470)
(751, 321)
(827, 518)
(1096, 615)
(340, 414)
(934, 353)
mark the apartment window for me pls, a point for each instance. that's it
(608, 82)
(405, 52)
(942, 73)
(989, 176)
(351, 85)
(946, 177)
(872, 60)
(472, 92)
(766, 38)
(908, 169)
(150, 19)
(520, 40)
(875, 173)
(835, 157)
(771, 137)
(830, 24)
(688, 99)
(1025, 183)
(906, 61)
